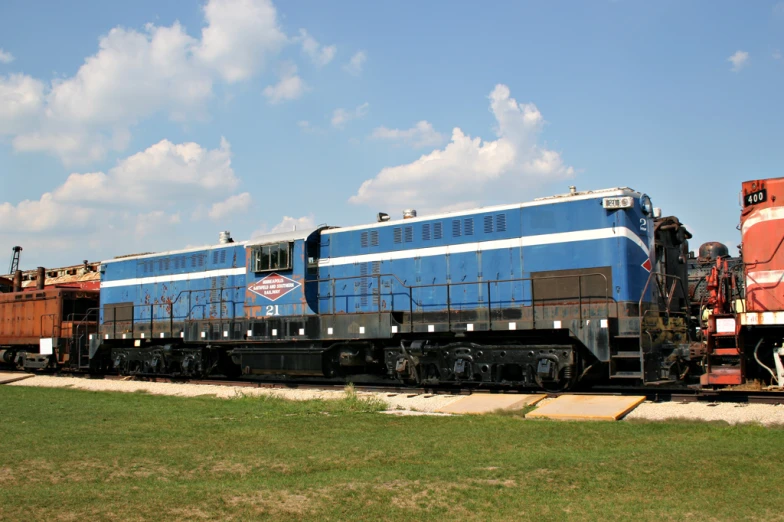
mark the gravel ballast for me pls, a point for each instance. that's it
(732, 413)
(395, 401)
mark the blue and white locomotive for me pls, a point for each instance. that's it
(531, 294)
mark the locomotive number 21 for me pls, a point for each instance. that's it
(272, 310)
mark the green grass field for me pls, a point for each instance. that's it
(78, 455)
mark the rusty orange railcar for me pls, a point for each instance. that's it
(47, 328)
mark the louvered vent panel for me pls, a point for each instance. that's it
(398, 235)
(500, 222)
(437, 231)
(468, 226)
(426, 232)
(488, 224)
(409, 234)
(456, 228)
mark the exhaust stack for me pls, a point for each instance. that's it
(40, 278)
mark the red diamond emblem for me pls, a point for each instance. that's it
(273, 286)
(647, 265)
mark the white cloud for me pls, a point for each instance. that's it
(290, 86)
(319, 54)
(136, 74)
(165, 174)
(6, 57)
(239, 37)
(470, 169)
(739, 60)
(287, 224)
(236, 203)
(290, 223)
(420, 135)
(21, 100)
(45, 214)
(342, 116)
(776, 55)
(356, 63)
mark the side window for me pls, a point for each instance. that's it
(313, 257)
(276, 256)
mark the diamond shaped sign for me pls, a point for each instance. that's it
(273, 286)
(647, 264)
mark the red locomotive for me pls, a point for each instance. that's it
(744, 327)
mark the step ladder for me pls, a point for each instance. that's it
(626, 358)
(724, 363)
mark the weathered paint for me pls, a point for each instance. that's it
(762, 226)
(26, 317)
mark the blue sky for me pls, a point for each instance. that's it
(149, 126)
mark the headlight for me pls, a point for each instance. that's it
(645, 204)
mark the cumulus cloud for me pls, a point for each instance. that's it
(342, 116)
(356, 63)
(45, 214)
(236, 203)
(739, 60)
(135, 206)
(471, 169)
(239, 37)
(163, 174)
(6, 57)
(422, 134)
(319, 54)
(136, 74)
(21, 100)
(290, 86)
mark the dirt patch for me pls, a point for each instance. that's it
(231, 468)
(276, 503)
(189, 513)
(508, 483)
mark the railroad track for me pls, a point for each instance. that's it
(657, 395)
(652, 394)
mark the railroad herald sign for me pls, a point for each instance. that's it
(273, 287)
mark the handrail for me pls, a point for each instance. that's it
(685, 312)
(607, 298)
(670, 276)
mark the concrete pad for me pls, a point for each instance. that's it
(9, 377)
(587, 407)
(488, 402)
